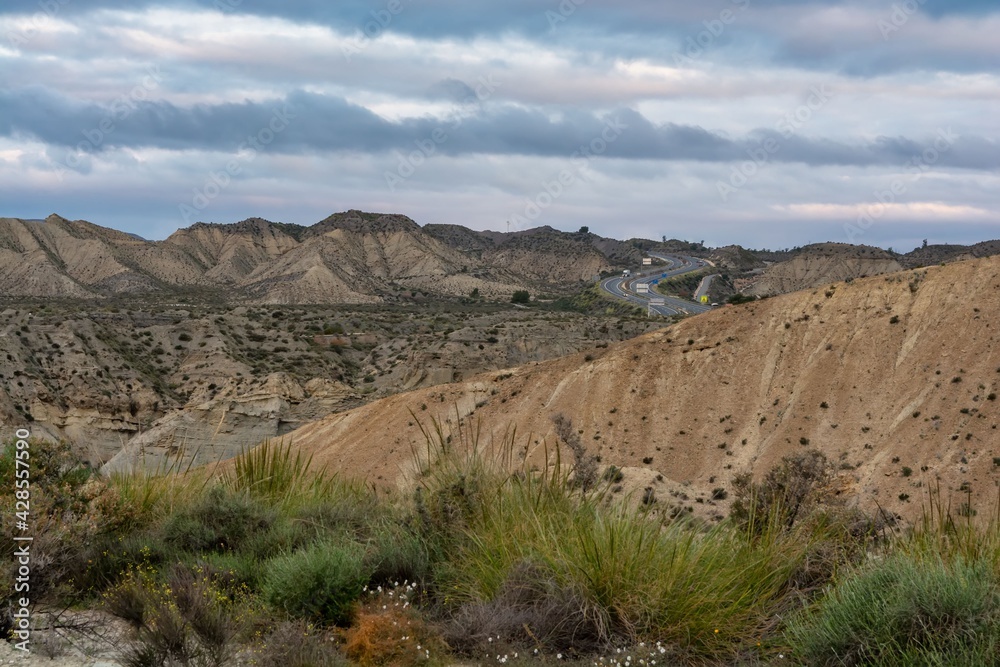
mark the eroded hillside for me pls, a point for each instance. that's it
(820, 264)
(213, 379)
(893, 377)
(351, 257)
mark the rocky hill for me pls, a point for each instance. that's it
(351, 257)
(542, 254)
(935, 254)
(894, 378)
(736, 259)
(819, 264)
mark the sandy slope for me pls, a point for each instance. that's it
(741, 387)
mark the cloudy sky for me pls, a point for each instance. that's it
(770, 123)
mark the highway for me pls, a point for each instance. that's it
(626, 288)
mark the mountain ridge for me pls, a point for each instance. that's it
(357, 257)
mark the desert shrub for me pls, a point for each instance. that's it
(523, 544)
(345, 509)
(61, 491)
(184, 619)
(385, 633)
(455, 482)
(785, 493)
(321, 582)
(616, 575)
(232, 571)
(270, 472)
(584, 463)
(107, 558)
(57, 473)
(285, 535)
(905, 611)
(530, 606)
(396, 553)
(221, 520)
(298, 644)
(613, 474)
(520, 296)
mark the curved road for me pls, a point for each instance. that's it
(626, 288)
(706, 284)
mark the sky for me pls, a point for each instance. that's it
(768, 123)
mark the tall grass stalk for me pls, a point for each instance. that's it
(155, 494)
(636, 576)
(948, 532)
(276, 474)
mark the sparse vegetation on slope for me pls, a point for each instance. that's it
(492, 557)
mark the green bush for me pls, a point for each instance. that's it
(520, 296)
(906, 610)
(219, 521)
(397, 554)
(320, 582)
(103, 561)
(60, 489)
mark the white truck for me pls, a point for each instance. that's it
(626, 274)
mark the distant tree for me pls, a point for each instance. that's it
(925, 244)
(520, 296)
(475, 293)
(584, 230)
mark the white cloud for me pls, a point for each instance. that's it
(904, 211)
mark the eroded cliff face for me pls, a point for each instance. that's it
(239, 416)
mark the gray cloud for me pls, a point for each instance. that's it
(318, 123)
(67, 100)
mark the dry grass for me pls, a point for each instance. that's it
(387, 633)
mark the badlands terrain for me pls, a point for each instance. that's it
(349, 335)
(894, 378)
